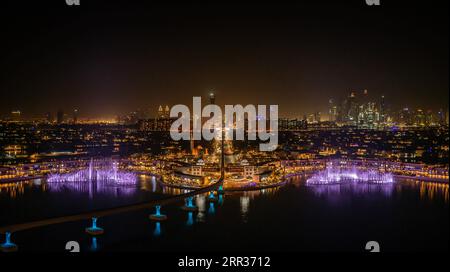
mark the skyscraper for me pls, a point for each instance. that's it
(60, 117)
(352, 115)
(332, 110)
(49, 117)
(75, 116)
(16, 115)
(212, 98)
(383, 117)
(163, 112)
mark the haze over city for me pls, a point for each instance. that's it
(106, 59)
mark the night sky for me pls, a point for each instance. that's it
(111, 57)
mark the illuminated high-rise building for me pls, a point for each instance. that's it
(382, 112)
(368, 116)
(163, 112)
(60, 117)
(212, 98)
(160, 111)
(49, 117)
(317, 117)
(16, 115)
(352, 115)
(166, 111)
(332, 111)
(75, 116)
(420, 119)
(405, 117)
(441, 117)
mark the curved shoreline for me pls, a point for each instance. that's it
(419, 178)
(17, 180)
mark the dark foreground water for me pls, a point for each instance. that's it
(406, 216)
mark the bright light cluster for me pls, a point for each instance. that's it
(337, 175)
(109, 173)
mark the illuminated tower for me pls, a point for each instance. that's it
(166, 111)
(15, 115)
(212, 98)
(332, 110)
(383, 111)
(60, 117)
(75, 116)
(49, 117)
(352, 115)
(160, 111)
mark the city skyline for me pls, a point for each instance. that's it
(152, 111)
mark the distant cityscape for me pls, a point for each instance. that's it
(357, 128)
(357, 109)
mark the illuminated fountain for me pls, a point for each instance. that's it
(94, 230)
(157, 215)
(106, 171)
(189, 206)
(8, 246)
(212, 197)
(338, 175)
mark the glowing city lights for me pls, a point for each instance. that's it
(99, 171)
(338, 175)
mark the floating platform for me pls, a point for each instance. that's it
(158, 217)
(212, 197)
(9, 247)
(94, 231)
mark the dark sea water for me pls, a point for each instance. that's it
(405, 216)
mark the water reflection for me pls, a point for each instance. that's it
(353, 188)
(149, 184)
(94, 244)
(154, 184)
(244, 204)
(431, 191)
(174, 191)
(211, 209)
(12, 190)
(157, 231)
(425, 190)
(201, 201)
(93, 188)
(190, 219)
